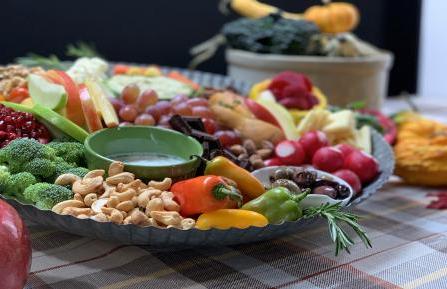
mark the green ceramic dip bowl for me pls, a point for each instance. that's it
(150, 153)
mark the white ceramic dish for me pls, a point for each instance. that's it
(312, 200)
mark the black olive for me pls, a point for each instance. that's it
(280, 174)
(305, 179)
(325, 190)
(288, 184)
(343, 191)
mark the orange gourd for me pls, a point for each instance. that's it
(334, 17)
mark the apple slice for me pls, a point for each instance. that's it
(52, 118)
(282, 116)
(260, 112)
(102, 103)
(45, 93)
(73, 109)
(89, 110)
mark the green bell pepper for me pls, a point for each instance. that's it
(278, 205)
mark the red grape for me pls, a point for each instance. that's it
(179, 99)
(154, 111)
(210, 125)
(228, 137)
(128, 112)
(117, 103)
(182, 109)
(197, 102)
(164, 120)
(145, 119)
(125, 123)
(164, 106)
(202, 111)
(130, 93)
(148, 97)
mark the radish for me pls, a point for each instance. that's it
(273, 162)
(313, 141)
(345, 149)
(328, 159)
(363, 165)
(290, 153)
(351, 178)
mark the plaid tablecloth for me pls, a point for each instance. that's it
(409, 251)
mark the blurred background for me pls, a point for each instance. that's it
(162, 32)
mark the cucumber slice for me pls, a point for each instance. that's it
(60, 122)
(18, 107)
(45, 93)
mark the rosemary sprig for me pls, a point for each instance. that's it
(46, 62)
(335, 216)
(82, 49)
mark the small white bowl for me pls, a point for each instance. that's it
(312, 200)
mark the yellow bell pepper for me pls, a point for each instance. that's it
(259, 87)
(230, 218)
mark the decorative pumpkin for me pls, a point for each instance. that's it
(334, 17)
(421, 152)
(330, 18)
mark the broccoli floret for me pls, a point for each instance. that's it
(71, 152)
(23, 150)
(40, 168)
(19, 182)
(80, 171)
(4, 182)
(46, 195)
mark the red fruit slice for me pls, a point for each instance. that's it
(260, 112)
(290, 153)
(89, 110)
(300, 103)
(73, 109)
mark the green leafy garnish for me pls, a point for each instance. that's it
(46, 62)
(82, 49)
(335, 216)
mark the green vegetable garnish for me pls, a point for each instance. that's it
(335, 216)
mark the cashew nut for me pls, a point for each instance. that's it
(167, 218)
(155, 204)
(87, 186)
(76, 211)
(163, 185)
(121, 178)
(107, 192)
(168, 203)
(113, 201)
(138, 217)
(135, 201)
(78, 197)
(126, 195)
(149, 222)
(82, 216)
(115, 168)
(100, 218)
(66, 179)
(65, 204)
(146, 195)
(187, 223)
(135, 184)
(90, 199)
(98, 205)
(125, 206)
(116, 217)
(94, 174)
(127, 220)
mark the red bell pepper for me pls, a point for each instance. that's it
(205, 194)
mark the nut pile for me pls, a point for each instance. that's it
(122, 199)
(254, 154)
(13, 76)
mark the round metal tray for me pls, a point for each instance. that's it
(175, 238)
